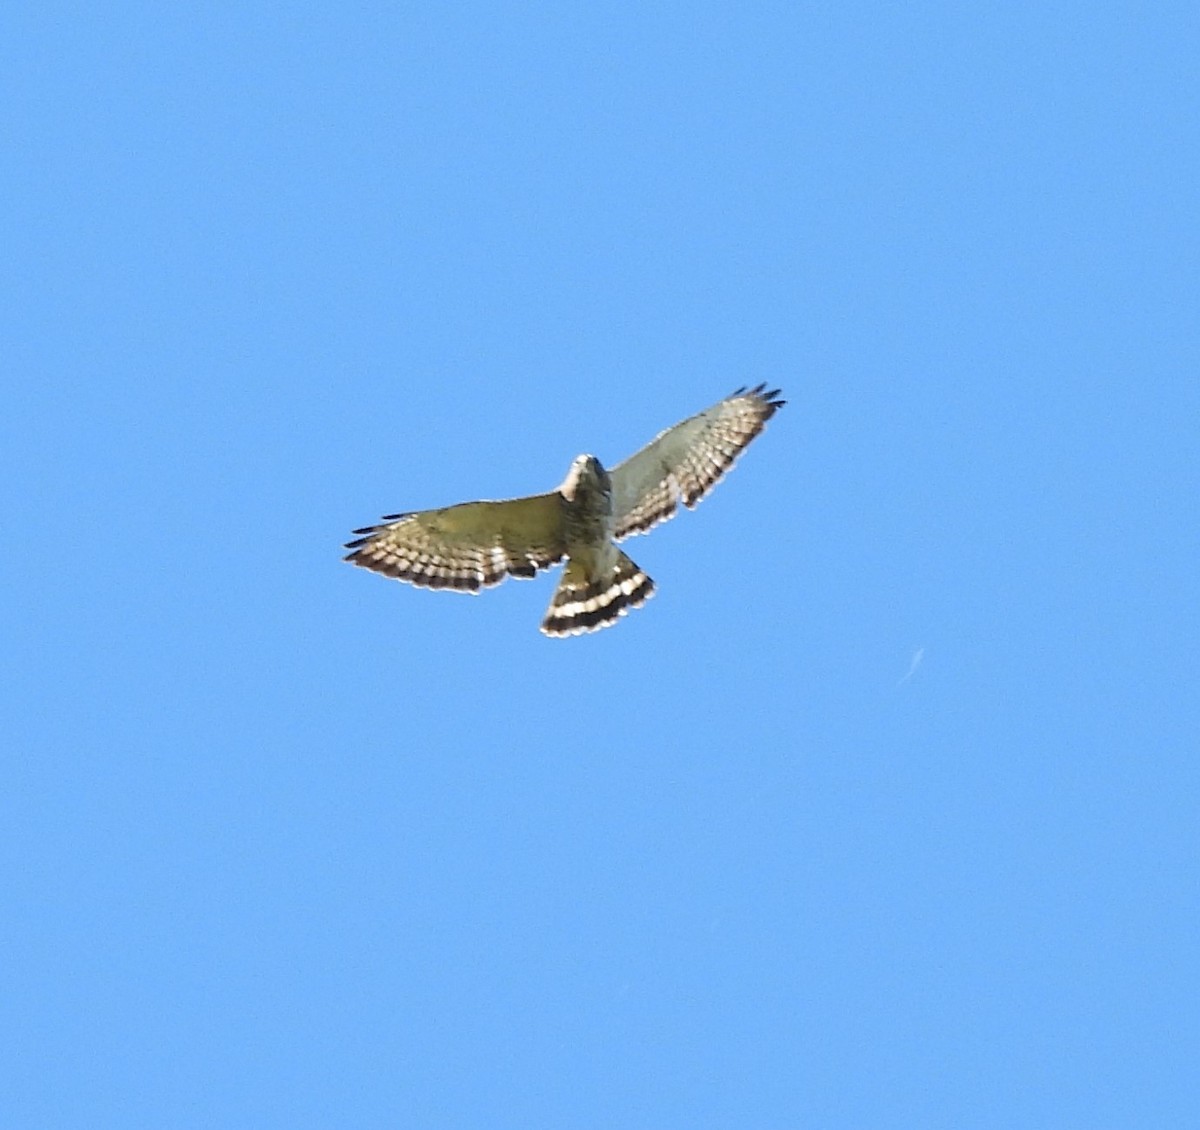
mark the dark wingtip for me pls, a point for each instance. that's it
(761, 392)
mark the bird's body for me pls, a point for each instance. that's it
(476, 544)
(587, 490)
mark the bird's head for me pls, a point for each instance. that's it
(587, 473)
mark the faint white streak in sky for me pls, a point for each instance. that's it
(918, 655)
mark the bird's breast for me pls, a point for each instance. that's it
(589, 516)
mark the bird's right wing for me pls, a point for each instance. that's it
(466, 547)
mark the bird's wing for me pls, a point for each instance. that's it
(466, 547)
(685, 462)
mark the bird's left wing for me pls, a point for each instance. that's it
(465, 547)
(685, 462)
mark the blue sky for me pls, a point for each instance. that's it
(288, 844)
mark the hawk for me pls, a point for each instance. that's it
(477, 544)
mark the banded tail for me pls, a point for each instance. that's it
(585, 602)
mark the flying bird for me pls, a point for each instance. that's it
(477, 544)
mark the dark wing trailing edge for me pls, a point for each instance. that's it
(683, 463)
(465, 547)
